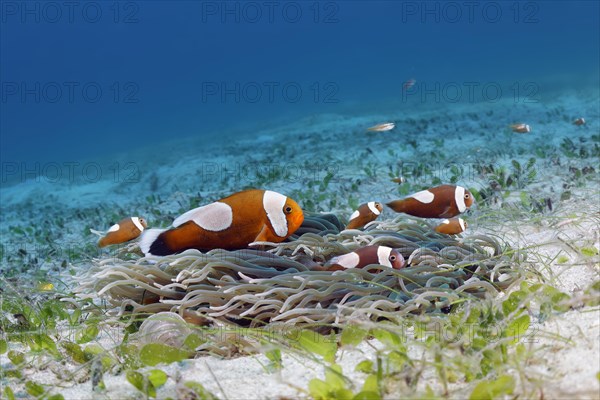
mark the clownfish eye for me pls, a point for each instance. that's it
(467, 195)
(288, 210)
(392, 258)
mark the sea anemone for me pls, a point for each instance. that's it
(253, 288)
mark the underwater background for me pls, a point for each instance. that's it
(118, 109)
(92, 79)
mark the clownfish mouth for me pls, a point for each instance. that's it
(297, 221)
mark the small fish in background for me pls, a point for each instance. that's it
(123, 231)
(579, 122)
(444, 201)
(408, 84)
(367, 255)
(364, 214)
(45, 287)
(520, 128)
(399, 180)
(386, 126)
(234, 222)
(452, 226)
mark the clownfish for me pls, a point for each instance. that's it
(520, 128)
(452, 226)
(367, 255)
(123, 231)
(387, 126)
(399, 180)
(364, 214)
(234, 222)
(579, 122)
(444, 201)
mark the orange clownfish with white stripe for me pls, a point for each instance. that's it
(234, 222)
(444, 201)
(123, 231)
(367, 255)
(452, 226)
(364, 214)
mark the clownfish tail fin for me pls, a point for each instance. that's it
(97, 233)
(152, 244)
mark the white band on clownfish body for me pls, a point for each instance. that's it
(372, 207)
(114, 228)
(462, 224)
(424, 196)
(273, 204)
(213, 217)
(459, 197)
(383, 256)
(137, 223)
(355, 214)
(349, 260)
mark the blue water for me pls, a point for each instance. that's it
(95, 78)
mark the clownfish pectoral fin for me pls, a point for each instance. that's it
(149, 243)
(446, 213)
(263, 236)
